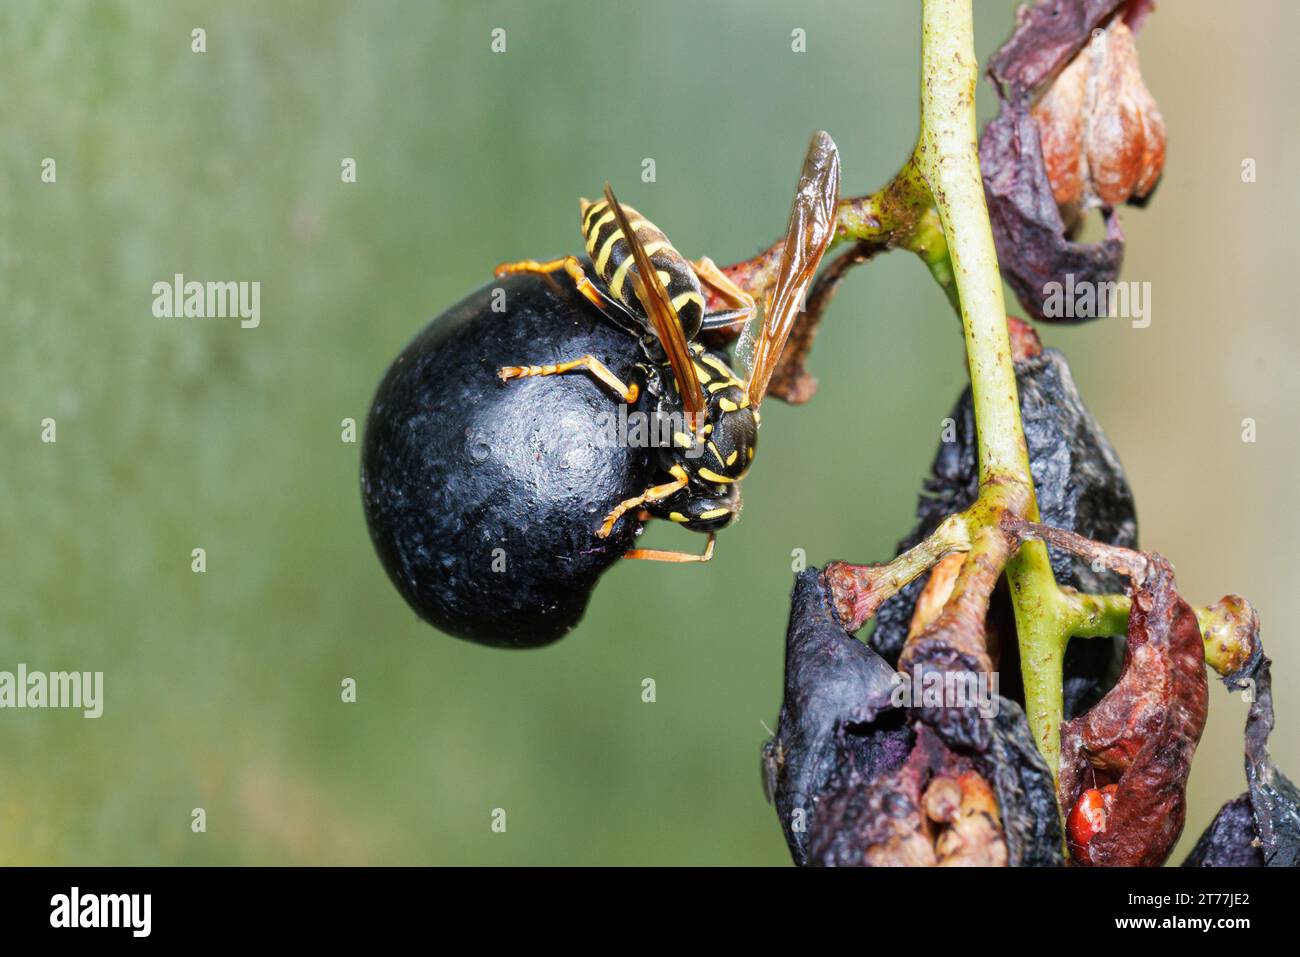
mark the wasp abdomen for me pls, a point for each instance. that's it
(611, 258)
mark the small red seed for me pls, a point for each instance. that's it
(1088, 819)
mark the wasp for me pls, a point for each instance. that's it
(644, 286)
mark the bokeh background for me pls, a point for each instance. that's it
(223, 688)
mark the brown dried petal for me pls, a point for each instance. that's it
(1060, 118)
(1048, 35)
(1033, 248)
(1095, 138)
(1103, 137)
(1125, 133)
(1143, 733)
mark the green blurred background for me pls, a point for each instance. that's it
(223, 689)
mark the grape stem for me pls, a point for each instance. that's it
(935, 207)
(948, 158)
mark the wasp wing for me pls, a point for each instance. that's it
(812, 225)
(663, 317)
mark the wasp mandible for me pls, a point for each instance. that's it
(643, 285)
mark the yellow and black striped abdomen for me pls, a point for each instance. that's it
(612, 259)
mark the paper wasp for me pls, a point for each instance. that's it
(641, 284)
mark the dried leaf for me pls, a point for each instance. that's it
(1141, 736)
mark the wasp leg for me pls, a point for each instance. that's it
(652, 494)
(627, 393)
(569, 264)
(741, 302)
(655, 555)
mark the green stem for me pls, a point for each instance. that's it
(861, 589)
(1229, 627)
(948, 157)
(1095, 616)
(889, 216)
(928, 242)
